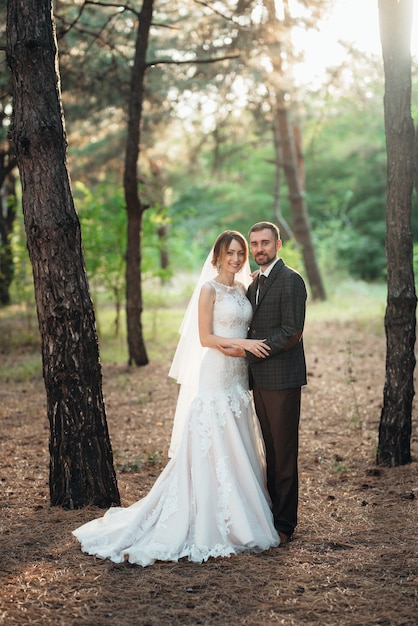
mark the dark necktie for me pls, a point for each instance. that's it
(261, 280)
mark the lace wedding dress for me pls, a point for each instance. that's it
(210, 500)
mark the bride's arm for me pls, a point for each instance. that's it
(209, 340)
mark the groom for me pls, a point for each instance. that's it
(278, 298)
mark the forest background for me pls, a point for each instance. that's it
(207, 159)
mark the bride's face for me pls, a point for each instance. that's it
(233, 258)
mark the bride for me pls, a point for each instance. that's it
(210, 500)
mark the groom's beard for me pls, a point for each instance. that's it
(262, 259)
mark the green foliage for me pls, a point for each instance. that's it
(155, 242)
(415, 261)
(346, 183)
(197, 217)
(22, 289)
(292, 256)
(103, 225)
(201, 211)
(216, 147)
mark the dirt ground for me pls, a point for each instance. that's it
(354, 557)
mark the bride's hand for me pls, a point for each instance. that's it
(258, 347)
(232, 350)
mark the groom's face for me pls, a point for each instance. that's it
(264, 247)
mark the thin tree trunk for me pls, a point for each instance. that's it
(81, 461)
(394, 447)
(134, 206)
(278, 37)
(301, 226)
(156, 191)
(285, 229)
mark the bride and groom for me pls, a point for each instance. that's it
(215, 497)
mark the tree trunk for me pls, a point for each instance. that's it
(81, 461)
(285, 229)
(156, 191)
(394, 447)
(278, 37)
(301, 226)
(134, 206)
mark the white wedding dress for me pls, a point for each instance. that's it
(210, 500)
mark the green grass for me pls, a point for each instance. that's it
(132, 466)
(351, 300)
(160, 328)
(21, 368)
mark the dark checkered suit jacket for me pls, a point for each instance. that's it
(278, 316)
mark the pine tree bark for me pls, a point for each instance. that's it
(394, 446)
(135, 208)
(81, 462)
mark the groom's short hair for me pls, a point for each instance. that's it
(262, 226)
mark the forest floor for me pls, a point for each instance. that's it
(354, 557)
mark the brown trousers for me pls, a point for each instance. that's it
(279, 413)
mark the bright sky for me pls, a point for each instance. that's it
(354, 21)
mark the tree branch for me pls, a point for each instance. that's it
(192, 62)
(211, 8)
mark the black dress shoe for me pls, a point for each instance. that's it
(284, 539)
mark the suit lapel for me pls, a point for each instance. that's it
(251, 293)
(270, 280)
(252, 289)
